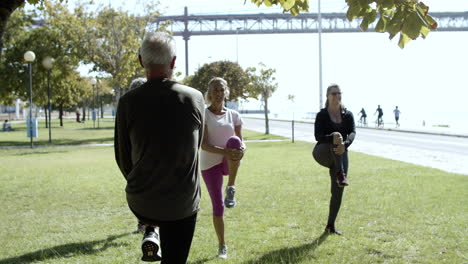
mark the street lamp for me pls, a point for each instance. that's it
(237, 44)
(29, 57)
(320, 55)
(48, 62)
(93, 82)
(98, 102)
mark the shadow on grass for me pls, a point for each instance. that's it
(290, 255)
(84, 141)
(58, 142)
(97, 128)
(201, 261)
(39, 152)
(67, 250)
(263, 137)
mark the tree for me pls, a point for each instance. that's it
(56, 38)
(409, 18)
(105, 93)
(7, 7)
(264, 82)
(238, 79)
(70, 90)
(12, 66)
(111, 42)
(109, 39)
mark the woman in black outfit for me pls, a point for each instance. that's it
(334, 132)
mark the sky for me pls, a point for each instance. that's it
(427, 79)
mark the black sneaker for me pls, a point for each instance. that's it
(331, 230)
(150, 246)
(341, 179)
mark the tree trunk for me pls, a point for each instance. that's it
(46, 117)
(6, 9)
(102, 110)
(265, 108)
(84, 113)
(61, 114)
(118, 93)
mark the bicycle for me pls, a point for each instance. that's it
(362, 122)
(379, 123)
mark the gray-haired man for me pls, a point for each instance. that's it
(158, 133)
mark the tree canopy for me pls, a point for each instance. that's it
(56, 39)
(111, 41)
(263, 82)
(253, 82)
(7, 7)
(238, 79)
(106, 37)
(408, 18)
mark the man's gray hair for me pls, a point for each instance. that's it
(157, 48)
(137, 83)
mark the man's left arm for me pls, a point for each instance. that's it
(122, 144)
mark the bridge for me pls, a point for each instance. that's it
(197, 25)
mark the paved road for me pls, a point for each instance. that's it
(447, 153)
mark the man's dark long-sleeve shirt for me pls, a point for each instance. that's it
(158, 131)
(324, 127)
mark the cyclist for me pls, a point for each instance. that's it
(379, 118)
(363, 114)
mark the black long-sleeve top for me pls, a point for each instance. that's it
(158, 131)
(324, 127)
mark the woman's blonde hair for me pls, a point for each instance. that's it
(211, 85)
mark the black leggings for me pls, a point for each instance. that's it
(176, 238)
(323, 153)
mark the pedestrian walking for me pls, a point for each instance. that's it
(397, 112)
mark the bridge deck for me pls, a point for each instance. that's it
(192, 25)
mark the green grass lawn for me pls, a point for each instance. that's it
(67, 205)
(72, 133)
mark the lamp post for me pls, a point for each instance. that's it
(98, 102)
(93, 82)
(29, 57)
(320, 54)
(48, 62)
(237, 44)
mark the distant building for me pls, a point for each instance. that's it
(15, 109)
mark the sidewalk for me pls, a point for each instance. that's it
(434, 149)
